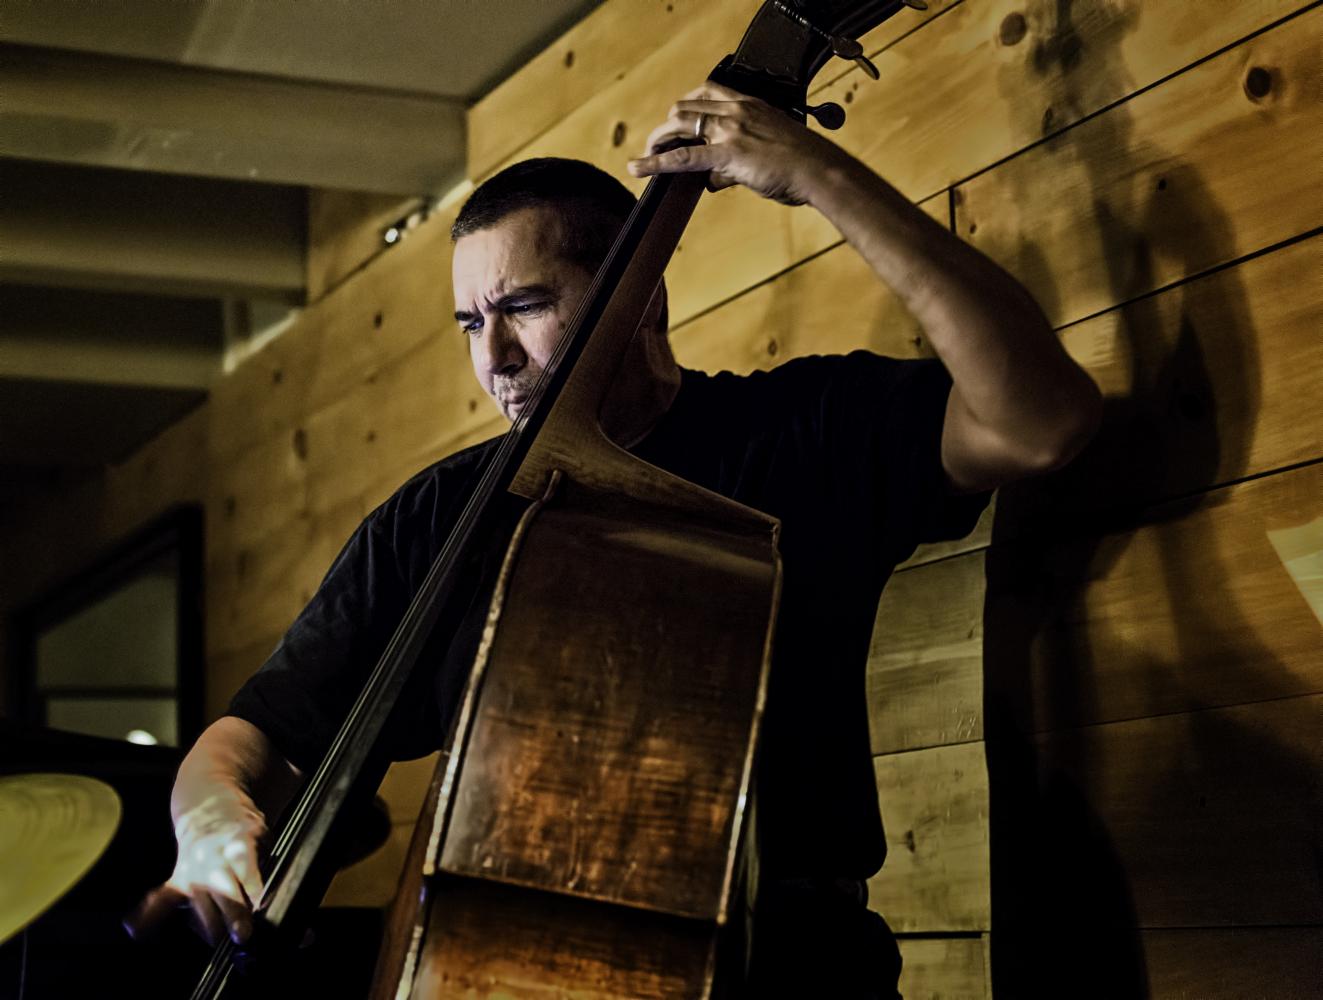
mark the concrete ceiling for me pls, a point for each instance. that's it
(155, 162)
(447, 48)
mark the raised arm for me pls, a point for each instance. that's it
(1019, 405)
(229, 786)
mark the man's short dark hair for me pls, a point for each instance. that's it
(591, 204)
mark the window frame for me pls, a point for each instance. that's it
(179, 529)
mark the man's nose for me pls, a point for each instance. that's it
(504, 355)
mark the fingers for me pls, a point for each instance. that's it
(710, 91)
(233, 903)
(157, 906)
(243, 863)
(718, 181)
(217, 867)
(723, 114)
(221, 908)
(689, 110)
(207, 917)
(681, 126)
(682, 160)
(219, 881)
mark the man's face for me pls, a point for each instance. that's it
(514, 296)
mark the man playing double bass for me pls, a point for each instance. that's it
(861, 457)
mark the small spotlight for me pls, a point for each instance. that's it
(142, 737)
(403, 226)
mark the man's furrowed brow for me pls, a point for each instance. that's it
(524, 292)
(512, 296)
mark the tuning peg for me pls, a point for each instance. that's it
(829, 115)
(849, 48)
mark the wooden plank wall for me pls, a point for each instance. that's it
(1149, 172)
(1096, 720)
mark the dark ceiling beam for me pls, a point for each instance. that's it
(71, 335)
(121, 230)
(94, 110)
(51, 424)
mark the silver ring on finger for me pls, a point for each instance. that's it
(698, 125)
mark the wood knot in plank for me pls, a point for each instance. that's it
(1013, 28)
(1258, 83)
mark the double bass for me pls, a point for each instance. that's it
(589, 831)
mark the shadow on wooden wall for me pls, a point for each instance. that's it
(1126, 795)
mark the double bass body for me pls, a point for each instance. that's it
(587, 834)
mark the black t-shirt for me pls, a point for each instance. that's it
(845, 450)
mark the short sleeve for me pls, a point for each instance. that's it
(895, 411)
(303, 692)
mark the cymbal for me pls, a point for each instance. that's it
(53, 827)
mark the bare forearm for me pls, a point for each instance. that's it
(1009, 370)
(235, 760)
(230, 785)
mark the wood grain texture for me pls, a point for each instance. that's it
(832, 304)
(622, 49)
(978, 538)
(1204, 383)
(1202, 819)
(378, 316)
(345, 230)
(226, 671)
(1276, 963)
(405, 786)
(610, 741)
(372, 881)
(935, 806)
(398, 950)
(953, 100)
(488, 940)
(944, 968)
(597, 52)
(309, 435)
(1204, 169)
(1193, 608)
(741, 240)
(925, 666)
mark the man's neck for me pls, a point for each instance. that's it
(635, 407)
(646, 386)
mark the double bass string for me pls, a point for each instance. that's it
(352, 743)
(495, 470)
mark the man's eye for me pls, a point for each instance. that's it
(470, 326)
(524, 308)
